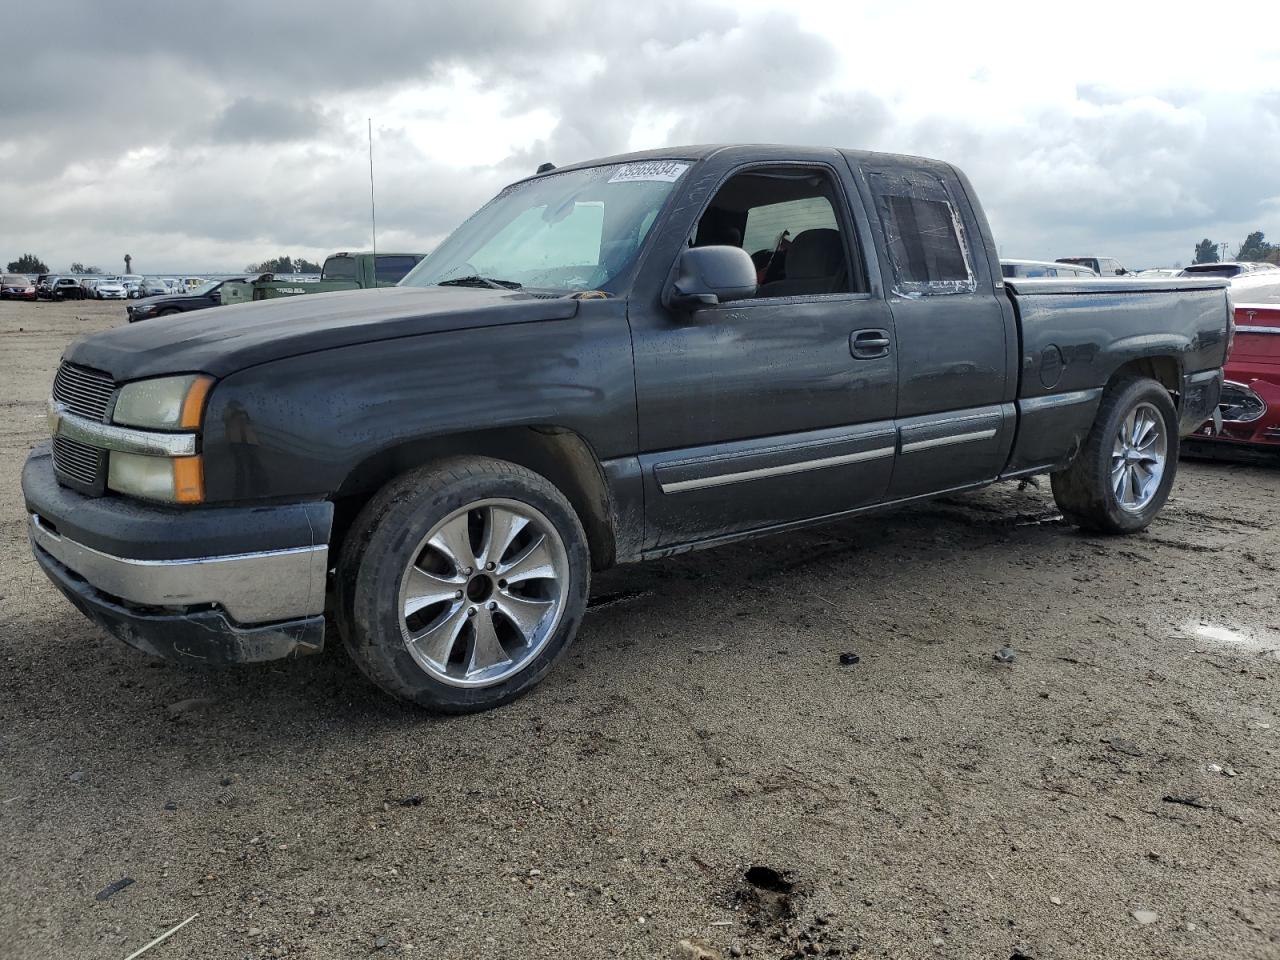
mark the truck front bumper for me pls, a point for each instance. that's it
(213, 585)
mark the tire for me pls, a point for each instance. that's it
(168, 313)
(1114, 485)
(387, 567)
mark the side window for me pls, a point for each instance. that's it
(393, 269)
(924, 235)
(786, 219)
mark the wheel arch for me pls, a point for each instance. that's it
(561, 455)
(1165, 369)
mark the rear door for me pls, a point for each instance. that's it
(956, 334)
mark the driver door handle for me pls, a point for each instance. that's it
(869, 344)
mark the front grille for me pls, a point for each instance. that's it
(75, 460)
(86, 393)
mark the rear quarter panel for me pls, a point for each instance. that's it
(1075, 337)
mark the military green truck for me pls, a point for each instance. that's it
(341, 271)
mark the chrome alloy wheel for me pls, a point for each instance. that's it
(1138, 457)
(484, 592)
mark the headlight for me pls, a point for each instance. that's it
(166, 403)
(168, 479)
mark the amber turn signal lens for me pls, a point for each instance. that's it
(188, 478)
(193, 405)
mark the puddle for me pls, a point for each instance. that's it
(1220, 636)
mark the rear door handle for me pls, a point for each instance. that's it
(869, 344)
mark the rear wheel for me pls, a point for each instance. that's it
(1123, 474)
(460, 584)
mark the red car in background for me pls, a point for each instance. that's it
(14, 286)
(1250, 404)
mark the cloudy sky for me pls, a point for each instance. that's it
(205, 136)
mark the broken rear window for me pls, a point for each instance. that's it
(924, 236)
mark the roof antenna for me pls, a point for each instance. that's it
(544, 167)
(373, 209)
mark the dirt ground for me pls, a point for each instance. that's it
(925, 801)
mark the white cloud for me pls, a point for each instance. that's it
(1132, 131)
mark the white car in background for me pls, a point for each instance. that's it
(1250, 282)
(1043, 268)
(1159, 272)
(111, 290)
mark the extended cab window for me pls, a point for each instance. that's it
(786, 220)
(923, 233)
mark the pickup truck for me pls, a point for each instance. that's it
(342, 271)
(608, 362)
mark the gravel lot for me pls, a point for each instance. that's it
(926, 801)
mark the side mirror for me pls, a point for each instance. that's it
(706, 276)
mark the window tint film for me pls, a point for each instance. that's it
(923, 234)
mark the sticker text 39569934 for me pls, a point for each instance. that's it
(664, 171)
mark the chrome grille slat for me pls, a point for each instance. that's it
(76, 461)
(86, 393)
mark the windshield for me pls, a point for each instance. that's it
(576, 230)
(207, 287)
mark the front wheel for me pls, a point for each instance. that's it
(460, 584)
(1122, 476)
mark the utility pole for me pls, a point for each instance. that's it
(373, 210)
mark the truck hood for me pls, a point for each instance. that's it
(222, 340)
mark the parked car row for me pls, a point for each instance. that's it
(53, 286)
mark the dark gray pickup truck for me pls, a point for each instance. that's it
(608, 362)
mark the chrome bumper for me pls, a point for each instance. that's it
(251, 587)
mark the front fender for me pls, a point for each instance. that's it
(296, 427)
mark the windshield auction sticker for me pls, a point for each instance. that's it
(663, 171)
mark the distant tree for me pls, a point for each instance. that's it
(28, 263)
(284, 265)
(80, 268)
(1206, 252)
(1255, 247)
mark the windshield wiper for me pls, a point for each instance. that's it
(478, 281)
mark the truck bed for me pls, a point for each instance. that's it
(1076, 332)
